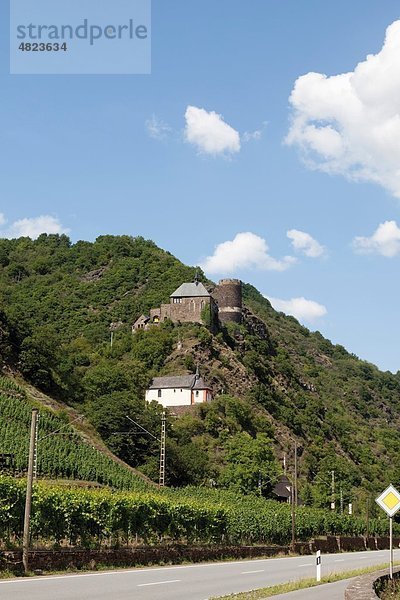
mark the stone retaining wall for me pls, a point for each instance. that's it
(47, 560)
(367, 586)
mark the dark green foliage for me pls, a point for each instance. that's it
(58, 301)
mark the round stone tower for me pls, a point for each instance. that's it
(228, 294)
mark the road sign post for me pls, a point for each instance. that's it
(318, 565)
(389, 501)
(391, 547)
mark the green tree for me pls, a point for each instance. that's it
(249, 459)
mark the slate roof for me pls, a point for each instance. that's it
(190, 290)
(142, 319)
(281, 488)
(191, 382)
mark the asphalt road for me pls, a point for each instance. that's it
(186, 582)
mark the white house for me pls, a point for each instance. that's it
(183, 390)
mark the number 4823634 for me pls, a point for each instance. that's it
(41, 47)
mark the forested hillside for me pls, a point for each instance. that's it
(274, 381)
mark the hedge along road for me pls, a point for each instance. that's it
(196, 582)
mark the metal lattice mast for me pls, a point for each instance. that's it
(162, 451)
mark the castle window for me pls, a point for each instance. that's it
(177, 300)
(159, 393)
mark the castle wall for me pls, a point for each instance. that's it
(228, 294)
(188, 310)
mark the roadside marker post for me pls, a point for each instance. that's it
(389, 501)
(318, 565)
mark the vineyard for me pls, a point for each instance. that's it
(62, 452)
(91, 518)
(132, 511)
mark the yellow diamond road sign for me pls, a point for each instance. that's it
(389, 500)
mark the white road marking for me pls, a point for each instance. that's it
(30, 580)
(305, 565)
(258, 571)
(339, 560)
(159, 582)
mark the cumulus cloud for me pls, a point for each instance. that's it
(385, 241)
(303, 242)
(156, 128)
(3, 220)
(246, 250)
(210, 133)
(301, 308)
(32, 227)
(349, 123)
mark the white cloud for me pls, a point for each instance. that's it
(209, 132)
(305, 243)
(156, 128)
(3, 220)
(385, 241)
(248, 136)
(301, 308)
(246, 250)
(32, 227)
(350, 123)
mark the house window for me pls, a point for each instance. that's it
(159, 393)
(177, 300)
(197, 393)
(174, 391)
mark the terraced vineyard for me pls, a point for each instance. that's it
(62, 452)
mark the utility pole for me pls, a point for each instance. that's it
(161, 482)
(111, 338)
(293, 519)
(35, 456)
(284, 464)
(341, 500)
(295, 473)
(29, 484)
(333, 491)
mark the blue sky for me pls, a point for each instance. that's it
(194, 154)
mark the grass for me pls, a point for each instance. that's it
(292, 586)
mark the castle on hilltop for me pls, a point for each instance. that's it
(193, 303)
